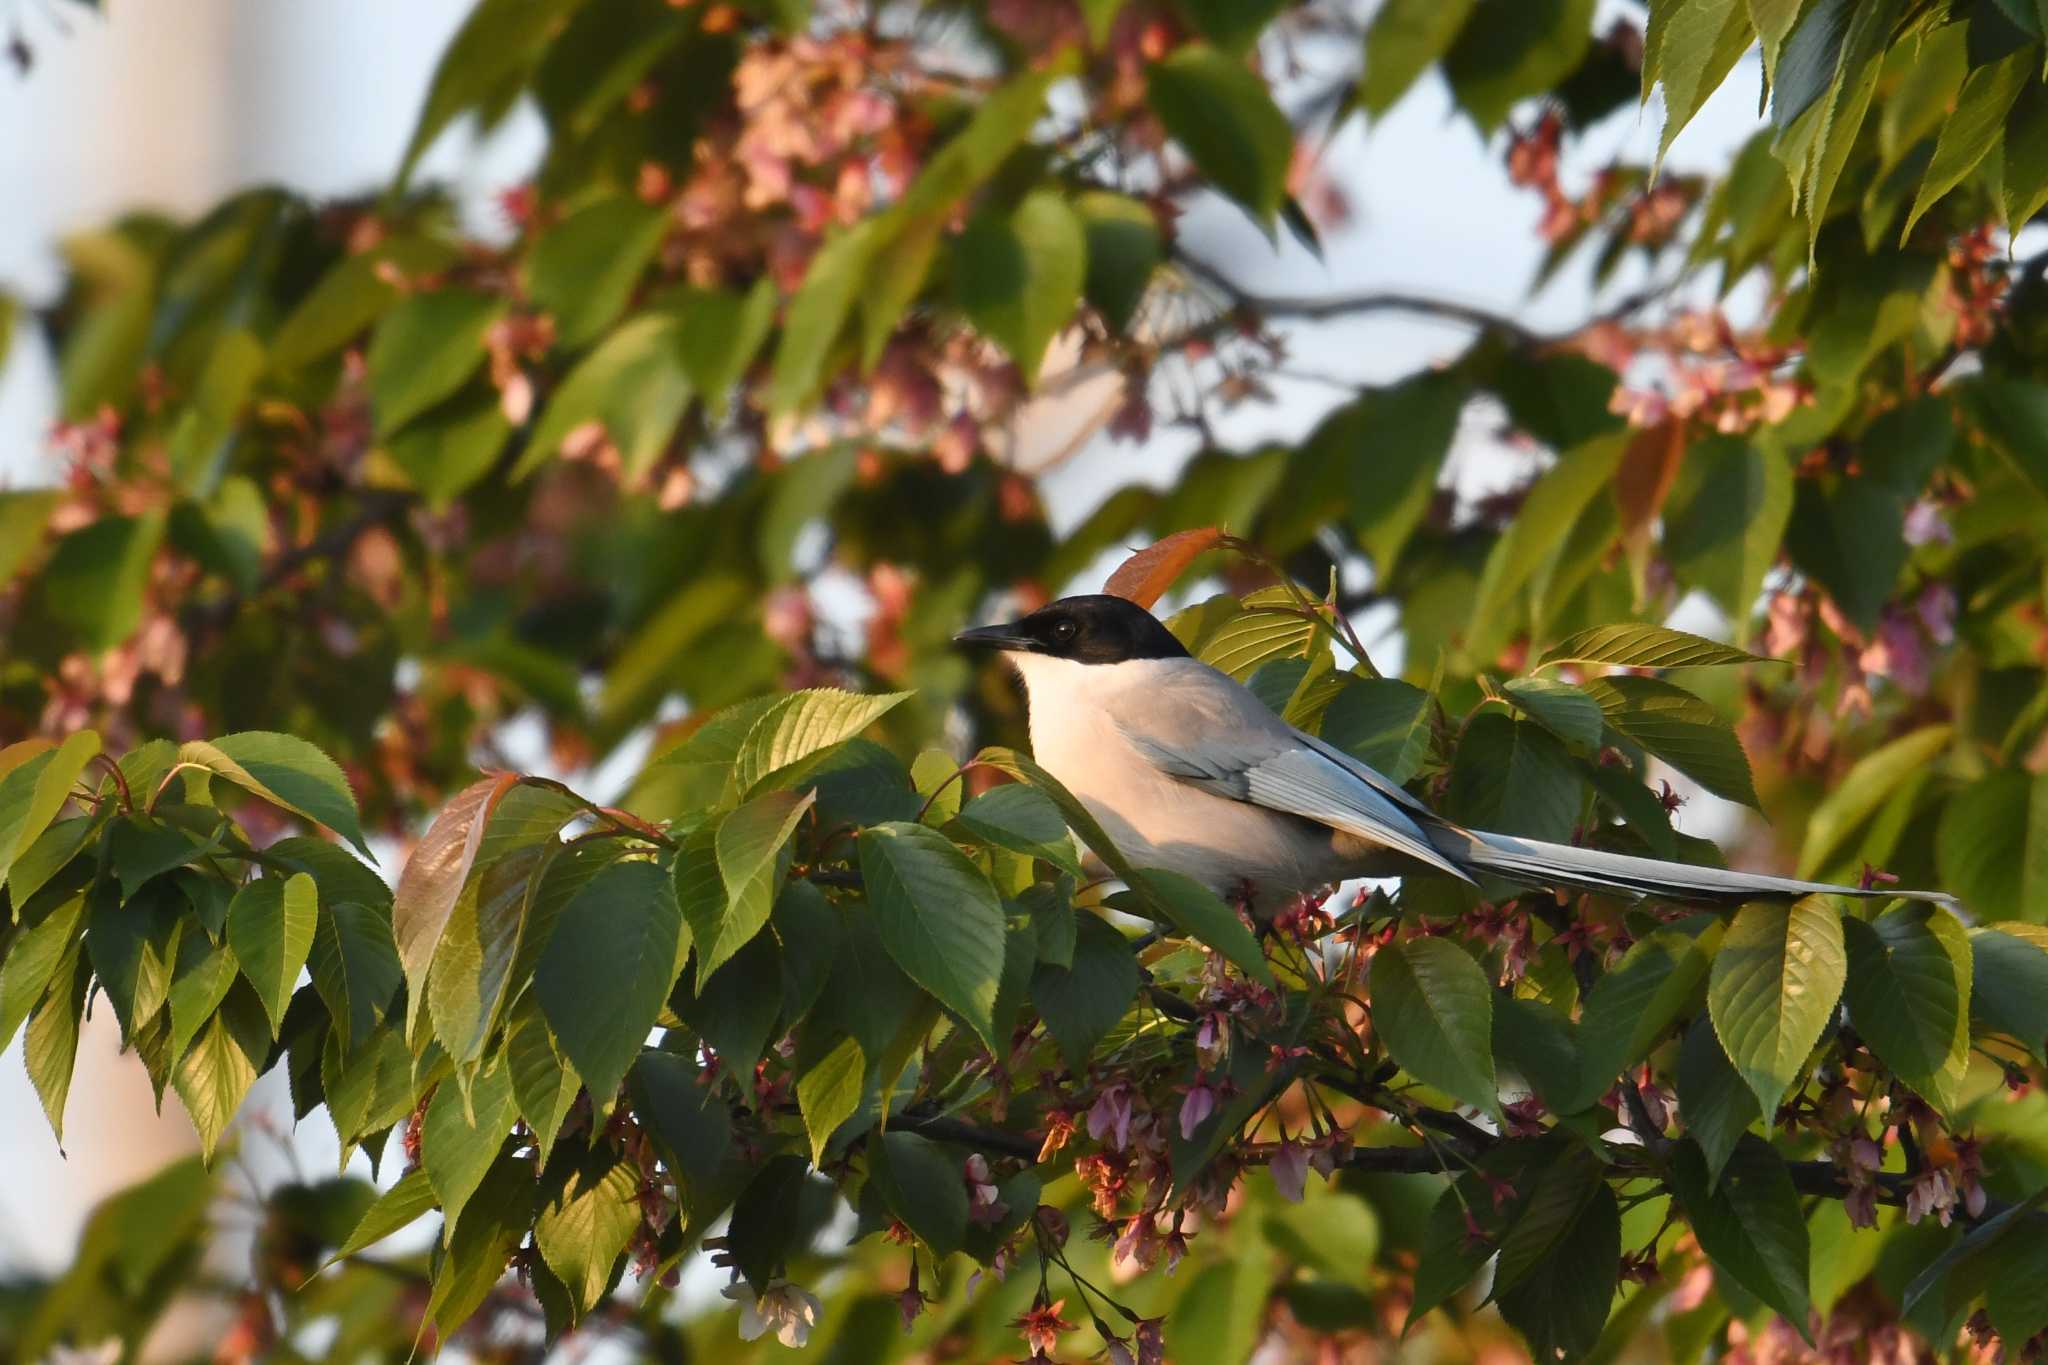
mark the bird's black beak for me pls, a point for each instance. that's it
(995, 637)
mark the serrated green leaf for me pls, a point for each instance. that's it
(1632, 1005)
(461, 1135)
(1973, 128)
(396, 1209)
(1200, 914)
(50, 1045)
(1382, 722)
(828, 1092)
(1749, 1222)
(1714, 1103)
(270, 928)
(1393, 443)
(1514, 777)
(606, 970)
(633, 386)
(32, 794)
(215, 1074)
(1992, 846)
(2009, 984)
(1080, 1003)
(921, 1185)
(938, 917)
(476, 1256)
(1676, 726)
(1689, 48)
(1564, 710)
(750, 855)
(1908, 993)
(355, 969)
(1773, 989)
(584, 1228)
(200, 980)
(1638, 645)
(1433, 1007)
(1725, 521)
(544, 1085)
(285, 771)
(583, 269)
(33, 958)
(805, 725)
(1024, 819)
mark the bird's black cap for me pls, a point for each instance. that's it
(1096, 629)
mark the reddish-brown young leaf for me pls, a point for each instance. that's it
(1648, 469)
(1146, 575)
(433, 878)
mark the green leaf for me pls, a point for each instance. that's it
(1123, 251)
(214, 1076)
(1714, 1103)
(805, 725)
(1224, 118)
(1992, 846)
(938, 917)
(95, 579)
(496, 44)
(1909, 996)
(1202, 915)
(1514, 49)
(584, 268)
(1634, 645)
(1019, 277)
(1449, 1257)
(1382, 722)
(751, 850)
(2009, 986)
(285, 771)
(544, 1085)
(1689, 48)
(607, 969)
(483, 1244)
(1560, 1304)
(1270, 628)
(1564, 710)
(584, 1228)
(1220, 1315)
(1081, 1003)
(1866, 787)
(396, 1209)
(355, 969)
(1749, 1222)
(1725, 520)
(270, 928)
(350, 296)
(1773, 990)
(472, 969)
(819, 312)
(1632, 1005)
(199, 981)
(32, 794)
(1433, 1007)
(690, 1126)
(2025, 150)
(1023, 819)
(1393, 443)
(1405, 38)
(33, 958)
(922, 1186)
(1679, 728)
(451, 446)
(461, 1135)
(633, 387)
(132, 948)
(1556, 504)
(828, 1092)
(50, 1046)
(424, 350)
(1513, 777)
(1849, 540)
(1970, 132)
(1773, 20)
(2018, 1308)
(433, 878)
(722, 332)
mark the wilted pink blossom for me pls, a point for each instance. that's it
(1109, 1119)
(1197, 1107)
(1289, 1166)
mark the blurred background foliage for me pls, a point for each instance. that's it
(759, 383)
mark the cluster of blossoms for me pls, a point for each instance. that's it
(1902, 649)
(1705, 372)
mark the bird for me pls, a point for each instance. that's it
(1186, 769)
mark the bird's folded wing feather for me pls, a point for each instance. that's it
(1277, 767)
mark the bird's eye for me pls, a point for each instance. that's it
(1063, 631)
